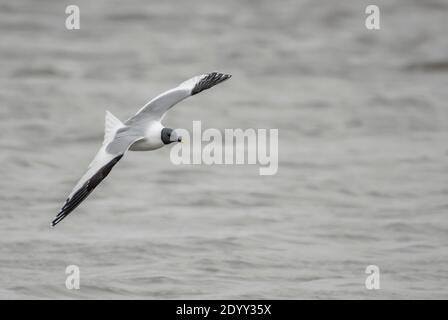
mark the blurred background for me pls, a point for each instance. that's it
(363, 170)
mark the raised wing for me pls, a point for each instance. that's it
(116, 143)
(157, 107)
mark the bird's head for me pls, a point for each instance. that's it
(170, 136)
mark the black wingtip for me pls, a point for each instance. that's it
(57, 219)
(210, 80)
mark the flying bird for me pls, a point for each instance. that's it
(142, 132)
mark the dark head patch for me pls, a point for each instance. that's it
(166, 134)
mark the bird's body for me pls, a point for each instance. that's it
(142, 132)
(151, 138)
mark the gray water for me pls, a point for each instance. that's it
(363, 149)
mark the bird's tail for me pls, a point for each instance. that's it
(111, 126)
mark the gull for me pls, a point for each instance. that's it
(142, 132)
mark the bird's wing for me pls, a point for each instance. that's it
(157, 107)
(109, 154)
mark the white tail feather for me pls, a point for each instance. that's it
(111, 126)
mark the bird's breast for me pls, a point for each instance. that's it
(146, 145)
(152, 139)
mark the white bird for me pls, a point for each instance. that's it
(142, 132)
